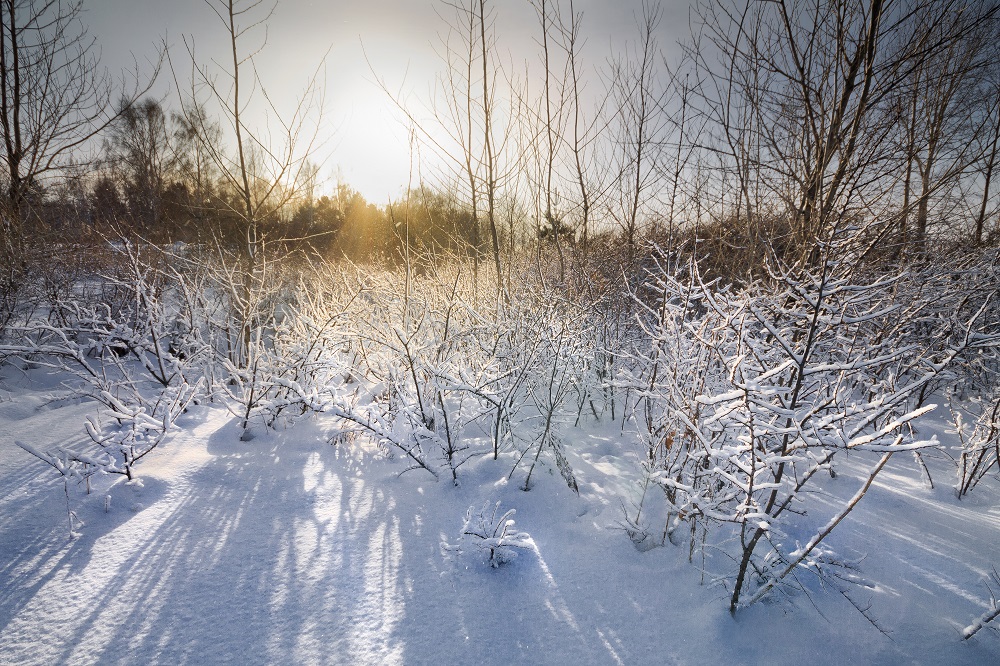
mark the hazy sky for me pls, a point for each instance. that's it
(365, 143)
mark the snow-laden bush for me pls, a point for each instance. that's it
(420, 340)
(344, 346)
(747, 395)
(122, 353)
(494, 534)
(429, 365)
(71, 467)
(554, 371)
(979, 451)
(938, 300)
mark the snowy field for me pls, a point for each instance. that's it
(633, 367)
(289, 549)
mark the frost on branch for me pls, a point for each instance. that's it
(980, 444)
(992, 612)
(748, 395)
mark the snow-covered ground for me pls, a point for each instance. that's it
(287, 549)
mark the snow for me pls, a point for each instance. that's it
(288, 549)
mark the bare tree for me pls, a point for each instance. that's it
(991, 151)
(816, 87)
(640, 98)
(193, 132)
(559, 135)
(944, 116)
(584, 133)
(262, 169)
(139, 146)
(731, 143)
(467, 126)
(548, 137)
(490, 142)
(54, 100)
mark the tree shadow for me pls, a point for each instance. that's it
(265, 554)
(280, 550)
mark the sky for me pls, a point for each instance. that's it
(363, 141)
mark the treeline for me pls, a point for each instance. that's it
(153, 180)
(777, 126)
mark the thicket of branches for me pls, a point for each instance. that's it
(773, 252)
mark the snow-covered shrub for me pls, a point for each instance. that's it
(979, 444)
(418, 343)
(263, 321)
(127, 432)
(71, 467)
(325, 350)
(138, 409)
(494, 534)
(432, 363)
(428, 364)
(241, 296)
(119, 352)
(299, 354)
(612, 336)
(553, 377)
(936, 303)
(749, 394)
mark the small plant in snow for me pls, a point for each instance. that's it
(494, 535)
(137, 424)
